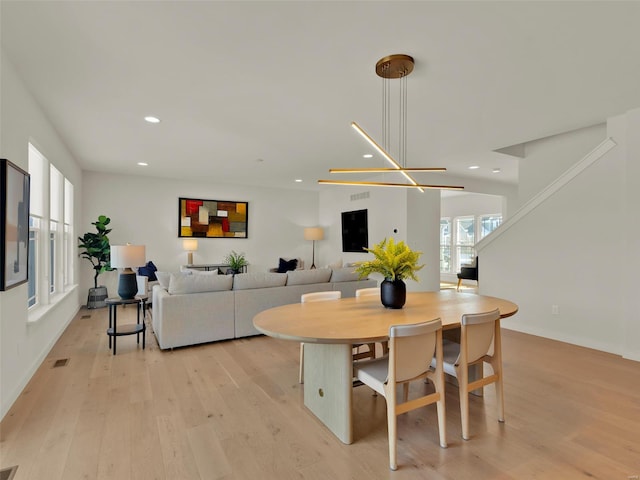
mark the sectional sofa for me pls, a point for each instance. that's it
(201, 307)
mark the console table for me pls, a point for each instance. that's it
(212, 266)
(114, 331)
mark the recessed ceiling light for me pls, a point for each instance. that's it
(367, 155)
(474, 167)
(298, 180)
(151, 119)
(496, 170)
(143, 164)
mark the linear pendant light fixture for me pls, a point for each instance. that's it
(393, 66)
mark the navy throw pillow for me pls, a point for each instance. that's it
(287, 265)
(149, 270)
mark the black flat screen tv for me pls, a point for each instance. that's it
(355, 231)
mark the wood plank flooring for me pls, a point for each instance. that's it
(233, 410)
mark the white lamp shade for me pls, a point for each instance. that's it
(313, 233)
(190, 244)
(127, 256)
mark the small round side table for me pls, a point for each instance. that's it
(140, 301)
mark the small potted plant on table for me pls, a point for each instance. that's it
(395, 262)
(236, 262)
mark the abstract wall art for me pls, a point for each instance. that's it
(212, 218)
(14, 225)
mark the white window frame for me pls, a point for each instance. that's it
(53, 229)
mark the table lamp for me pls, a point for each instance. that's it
(313, 234)
(190, 245)
(126, 257)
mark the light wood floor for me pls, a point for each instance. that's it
(233, 410)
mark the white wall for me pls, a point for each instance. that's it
(144, 211)
(386, 212)
(546, 159)
(571, 249)
(404, 215)
(24, 345)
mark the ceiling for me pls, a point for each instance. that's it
(263, 93)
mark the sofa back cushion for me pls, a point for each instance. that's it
(304, 277)
(163, 278)
(181, 284)
(245, 281)
(346, 274)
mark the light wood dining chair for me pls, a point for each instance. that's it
(314, 297)
(411, 349)
(480, 343)
(367, 292)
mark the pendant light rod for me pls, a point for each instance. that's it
(387, 170)
(385, 184)
(382, 152)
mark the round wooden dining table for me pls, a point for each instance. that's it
(330, 328)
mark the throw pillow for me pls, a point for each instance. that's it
(149, 270)
(287, 265)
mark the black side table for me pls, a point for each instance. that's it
(114, 331)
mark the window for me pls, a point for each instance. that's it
(488, 223)
(445, 245)
(465, 235)
(51, 258)
(457, 244)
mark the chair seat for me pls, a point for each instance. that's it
(450, 350)
(373, 372)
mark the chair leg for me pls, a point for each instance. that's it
(459, 282)
(438, 382)
(463, 381)
(392, 428)
(301, 374)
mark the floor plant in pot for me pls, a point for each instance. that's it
(95, 248)
(395, 262)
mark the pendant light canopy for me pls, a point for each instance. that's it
(397, 66)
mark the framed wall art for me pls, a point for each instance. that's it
(14, 225)
(212, 218)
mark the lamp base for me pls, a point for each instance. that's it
(127, 284)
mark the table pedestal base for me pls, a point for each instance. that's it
(328, 375)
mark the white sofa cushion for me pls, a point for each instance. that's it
(179, 283)
(346, 274)
(245, 281)
(163, 279)
(303, 277)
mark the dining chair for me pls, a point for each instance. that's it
(366, 292)
(480, 342)
(411, 349)
(314, 297)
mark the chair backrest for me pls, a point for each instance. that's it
(479, 330)
(411, 349)
(364, 292)
(320, 296)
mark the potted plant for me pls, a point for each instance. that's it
(236, 262)
(395, 262)
(96, 250)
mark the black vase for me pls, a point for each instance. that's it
(393, 294)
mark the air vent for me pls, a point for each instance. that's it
(85, 316)
(62, 362)
(359, 196)
(8, 473)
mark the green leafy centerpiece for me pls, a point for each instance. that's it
(395, 262)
